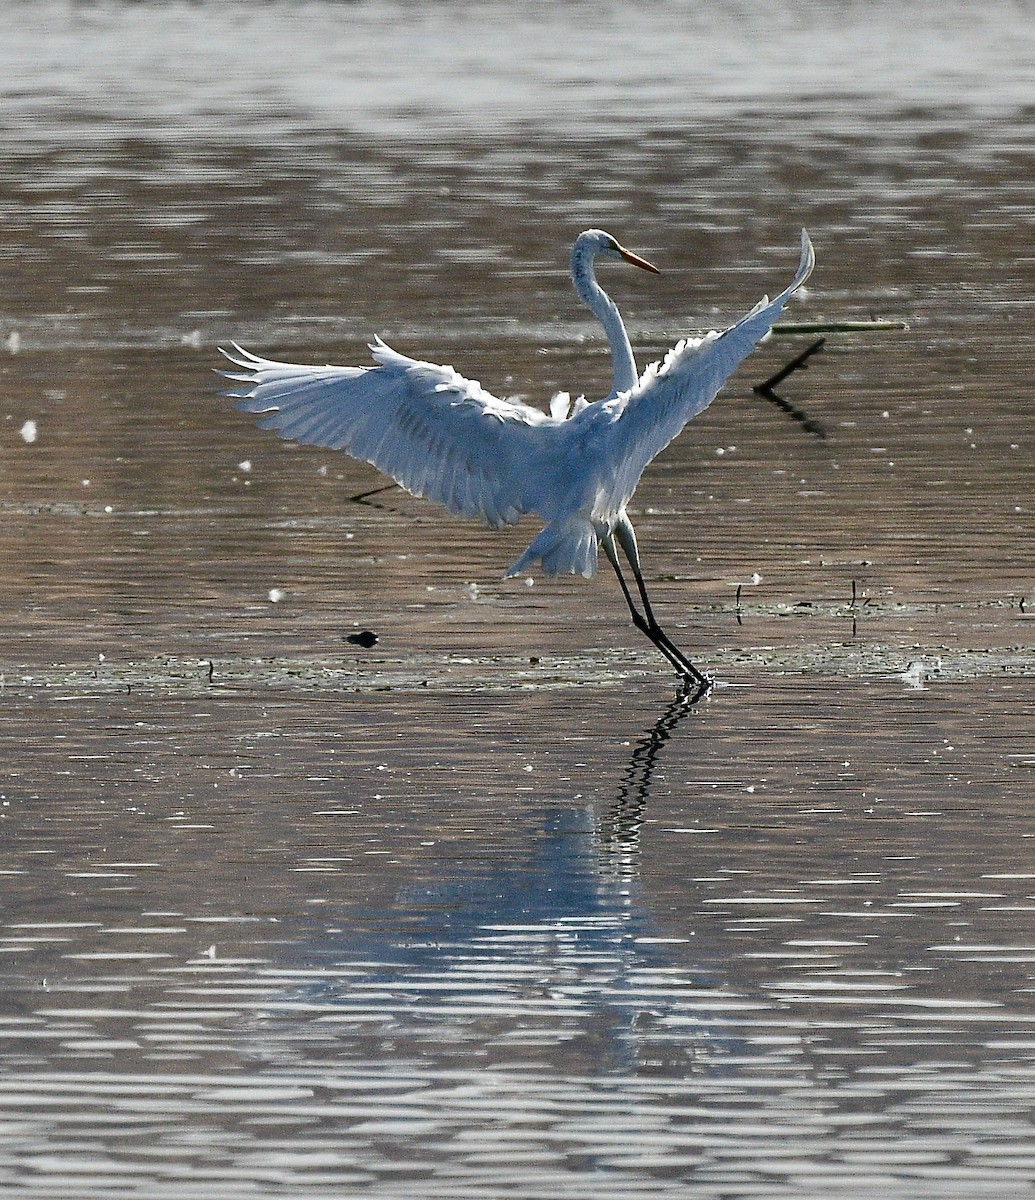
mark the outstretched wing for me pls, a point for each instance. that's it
(439, 435)
(668, 394)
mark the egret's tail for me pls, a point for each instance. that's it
(564, 548)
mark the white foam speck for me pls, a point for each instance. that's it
(29, 432)
(275, 595)
(913, 675)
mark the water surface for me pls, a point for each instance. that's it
(481, 910)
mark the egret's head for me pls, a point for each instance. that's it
(596, 242)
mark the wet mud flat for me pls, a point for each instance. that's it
(870, 659)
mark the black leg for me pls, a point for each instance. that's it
(648, 625)
(662, 639)
(625, 535)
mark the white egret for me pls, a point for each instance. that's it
(444, 437)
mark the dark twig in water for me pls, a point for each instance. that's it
(793, 328)
(807, 423)
(798, 363)
(767, 391)
(740, 619)
(363, 497)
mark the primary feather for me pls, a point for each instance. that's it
(444, 437)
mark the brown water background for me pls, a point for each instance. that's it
(479, 912)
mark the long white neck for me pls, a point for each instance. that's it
(606, 312)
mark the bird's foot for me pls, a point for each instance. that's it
(693, 688)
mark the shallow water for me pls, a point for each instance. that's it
(481, 910)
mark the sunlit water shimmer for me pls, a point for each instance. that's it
(481, 911)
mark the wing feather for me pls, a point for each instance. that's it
(668, 394)
(438, 434)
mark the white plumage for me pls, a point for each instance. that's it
(444, 437)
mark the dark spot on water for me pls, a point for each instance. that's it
(366, 638)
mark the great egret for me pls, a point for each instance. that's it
(444, 437)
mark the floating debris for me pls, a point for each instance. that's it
(366, 638)
(29, 432)
(794, 328)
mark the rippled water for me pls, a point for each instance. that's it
(481, 911)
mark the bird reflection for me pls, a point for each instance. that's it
(619, 832)
(555, 945)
